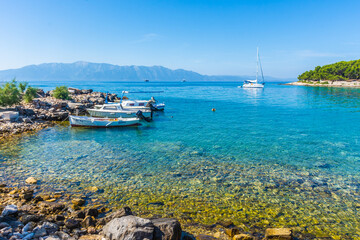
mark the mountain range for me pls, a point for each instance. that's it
(103, 71)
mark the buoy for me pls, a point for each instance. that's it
(213, 109)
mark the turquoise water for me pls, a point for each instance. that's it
(281, 156)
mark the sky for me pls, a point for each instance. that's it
(214, 37)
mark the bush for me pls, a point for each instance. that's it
(9, 94)
(22, 86)
(61, 92)
(30, 94)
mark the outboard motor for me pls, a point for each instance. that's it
(142, 117)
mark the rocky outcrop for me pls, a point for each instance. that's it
(42, 111)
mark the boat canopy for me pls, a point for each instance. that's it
(250, 81)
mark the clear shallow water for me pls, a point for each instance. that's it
(282, 156)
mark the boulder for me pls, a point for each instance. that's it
(166, 229)
(129, 227)
(9, 210)
(278, 233)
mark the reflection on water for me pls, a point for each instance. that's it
(282, 156)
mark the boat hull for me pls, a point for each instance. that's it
(253, 85)
(92, 122)
(116, 114)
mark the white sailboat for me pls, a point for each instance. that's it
(255, 83)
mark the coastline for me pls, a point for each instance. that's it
(27, 212)
(325, 83)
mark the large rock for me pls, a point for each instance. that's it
(278, 233)
(9, 210)
(167, 229)
(129, 228)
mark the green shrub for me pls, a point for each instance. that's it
(30, 94)
(9, 94)
(22, 86)
(61, 92)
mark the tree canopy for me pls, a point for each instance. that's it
(343, 70)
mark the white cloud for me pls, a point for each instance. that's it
(148, 37)
(311, 53)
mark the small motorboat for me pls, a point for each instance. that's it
(116, 110)
(142, 105)
(93, 122)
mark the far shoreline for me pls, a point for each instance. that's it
(325, 83)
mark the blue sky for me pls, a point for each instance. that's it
(209, 37)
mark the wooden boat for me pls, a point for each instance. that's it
(83, 121)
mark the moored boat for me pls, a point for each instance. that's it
(115, 110)
(255, 83)
(83, 121)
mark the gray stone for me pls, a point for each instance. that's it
(29, 236)
(125, 211)
(167, 229)
(28, 227)
(72, 223)
(9, 210)
(39, 232)
(4, 225)
(129, 227)
(50, 227)
(29, 218)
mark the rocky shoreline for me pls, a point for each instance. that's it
(45, 110)
(326, 83)
(27, 213)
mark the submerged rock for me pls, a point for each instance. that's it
(278, 233)
(31, 180)
(129, 227)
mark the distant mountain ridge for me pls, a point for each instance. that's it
(102, 71)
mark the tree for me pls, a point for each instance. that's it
(30, 94)
(9, 94)
(61, 92)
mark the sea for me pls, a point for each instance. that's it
(282, 156)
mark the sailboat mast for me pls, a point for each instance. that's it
(257, 64)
